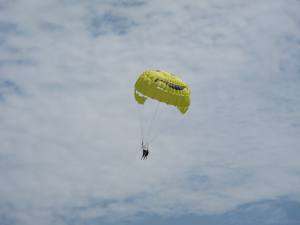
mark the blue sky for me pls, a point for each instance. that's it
(69, 127)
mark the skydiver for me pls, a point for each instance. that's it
(145, 151)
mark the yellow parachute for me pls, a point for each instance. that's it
(163, 87)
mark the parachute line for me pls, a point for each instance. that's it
(152, 123)
(141, 123)
(158, 128)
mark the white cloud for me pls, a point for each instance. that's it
(69, 138)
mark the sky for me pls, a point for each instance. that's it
(70, 128)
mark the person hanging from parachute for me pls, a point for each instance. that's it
(164, 87)
(145, 151)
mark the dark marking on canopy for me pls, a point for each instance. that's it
(171, 85)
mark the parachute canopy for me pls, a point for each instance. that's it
(164, 87)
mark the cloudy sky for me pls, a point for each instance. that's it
(69, 125)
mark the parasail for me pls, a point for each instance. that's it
(162, 87)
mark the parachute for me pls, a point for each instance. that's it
(163, 87)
